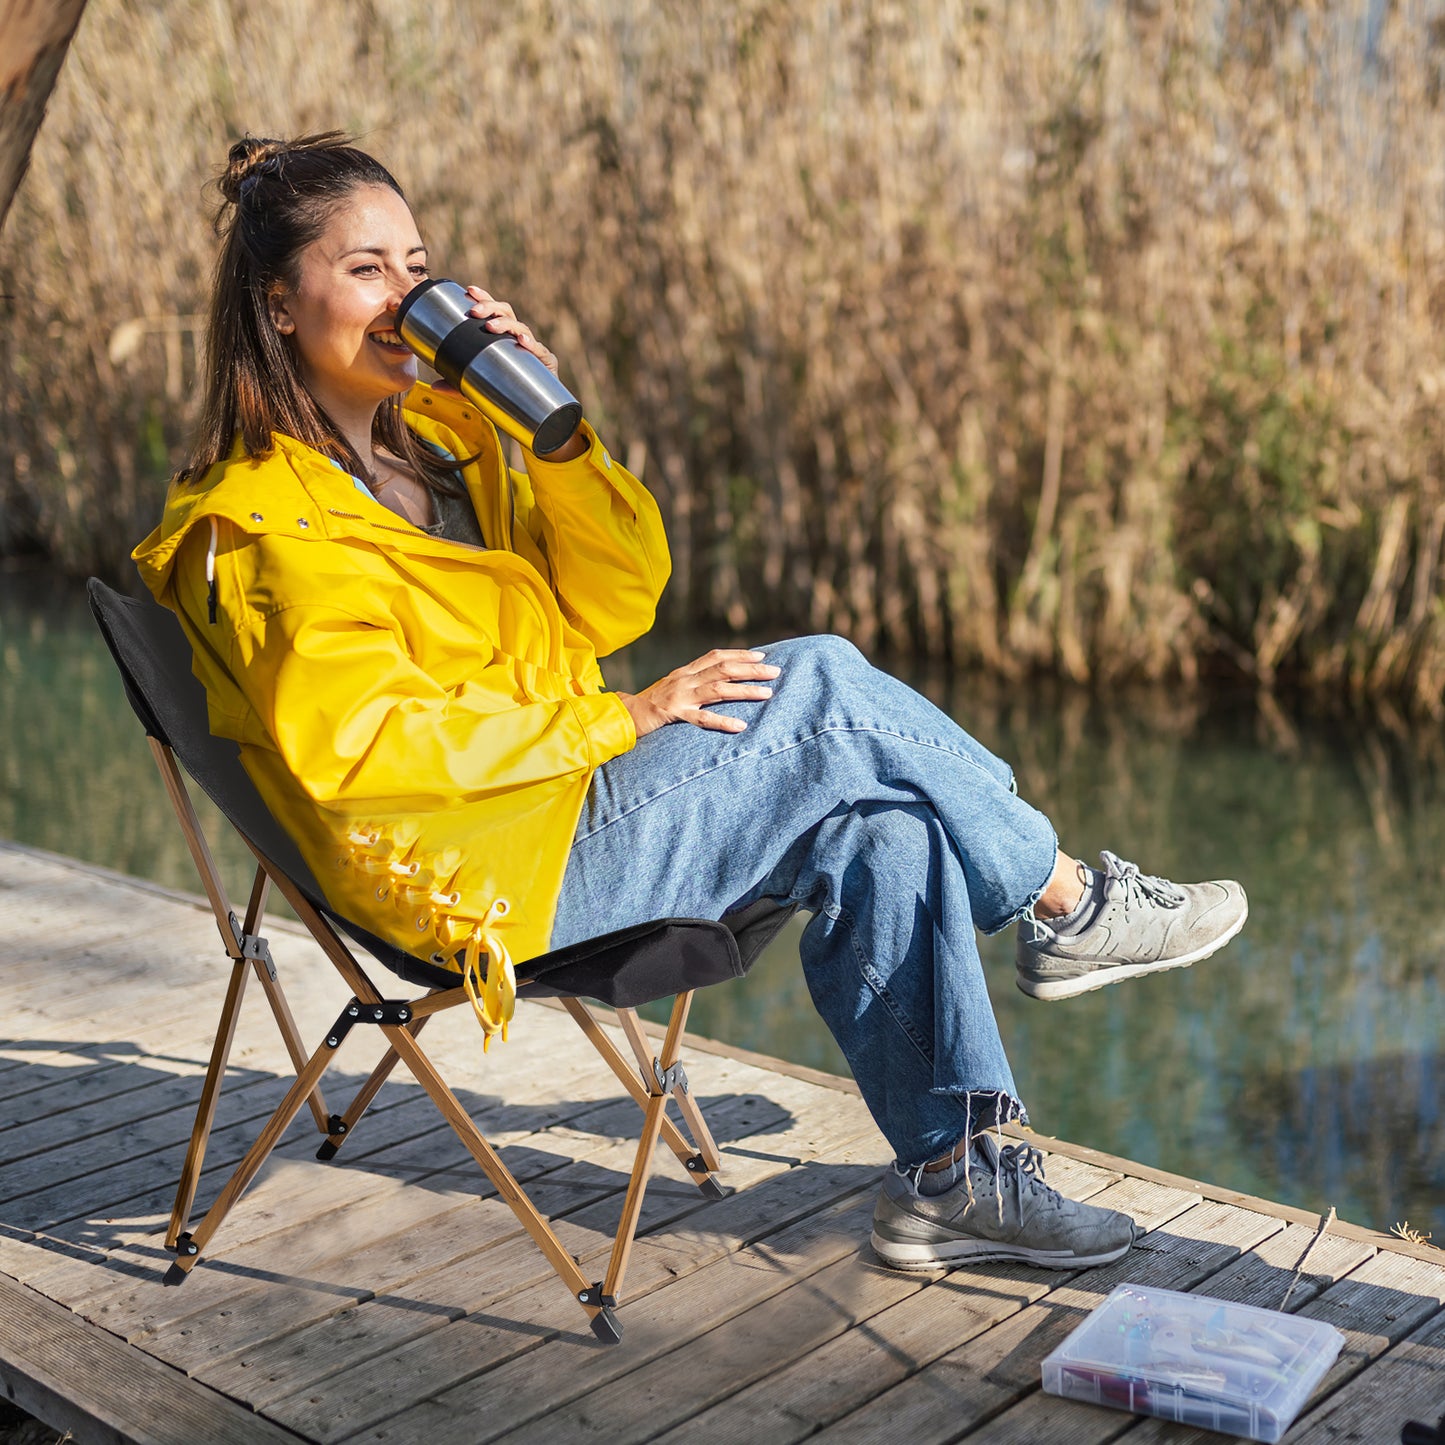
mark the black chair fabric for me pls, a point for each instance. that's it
(624, 968)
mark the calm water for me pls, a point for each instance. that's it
(1306, 1063)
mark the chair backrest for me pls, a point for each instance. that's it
(154, 660)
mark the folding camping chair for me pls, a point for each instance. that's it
(623, 969)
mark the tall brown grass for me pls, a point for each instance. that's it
(1048, 335)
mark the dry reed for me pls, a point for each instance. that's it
(1039, 336)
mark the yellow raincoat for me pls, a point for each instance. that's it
(422, 717)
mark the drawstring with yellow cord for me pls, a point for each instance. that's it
(420, 890)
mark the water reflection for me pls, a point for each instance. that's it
(1305, 1063)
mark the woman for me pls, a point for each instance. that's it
(402, 635)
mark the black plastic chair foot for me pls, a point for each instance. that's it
(709, 1188)
(327, 1150)
(606, 1328)
(175, 1275)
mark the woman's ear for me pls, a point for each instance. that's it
(280, 317)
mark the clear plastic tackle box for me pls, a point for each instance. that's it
(1227, 1367)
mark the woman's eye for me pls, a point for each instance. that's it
(420, 272)
(367, 270)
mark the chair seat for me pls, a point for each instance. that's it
(624, 968)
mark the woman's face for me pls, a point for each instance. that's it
(341, 316)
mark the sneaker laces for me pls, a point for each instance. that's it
(1026, 1166)
(1140, 888)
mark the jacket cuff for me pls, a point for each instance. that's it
(578, 475)
(607, 724)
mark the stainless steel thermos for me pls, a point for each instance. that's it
(498, 376)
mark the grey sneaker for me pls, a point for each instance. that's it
(1000, 1209)
(1142, 925)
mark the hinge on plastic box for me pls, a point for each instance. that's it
(253, 946)
(671, 1079)
(388, 1011)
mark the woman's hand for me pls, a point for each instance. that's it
(500, 318)
(723, 675)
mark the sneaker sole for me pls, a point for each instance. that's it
(978, 1251)
(1050, 989)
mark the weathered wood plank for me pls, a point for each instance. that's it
(471, 1279)
(749, 1345)
(59, 1182)
(1376, 1306)
(68, 1117)
(78, 1378)
(27, 1078)
(1261, 1277)
(975, 1382)
(391, 1297)
(381, 1245)
(839, 1376)
(1406, 1383)
(457, 1352)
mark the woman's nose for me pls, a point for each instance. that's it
(396, 292)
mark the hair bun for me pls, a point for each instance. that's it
(244, 160)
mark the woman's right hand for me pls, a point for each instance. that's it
(723, 675)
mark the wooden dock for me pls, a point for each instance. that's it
(391, 1297)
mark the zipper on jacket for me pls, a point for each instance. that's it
(380, 526)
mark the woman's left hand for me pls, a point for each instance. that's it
(500, 318)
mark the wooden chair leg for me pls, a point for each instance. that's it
(701, 1160)
(226, 1026)
(189, 1246)
(590, 1297)
(339, 1128)
(210, 877)
(702, 1135)
(642, 1166)
(592, 1300)
(206, 1110)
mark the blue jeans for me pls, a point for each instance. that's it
(854, 797)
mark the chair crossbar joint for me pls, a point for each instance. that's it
(387, 1011)
(252, 945)
(670, 1079)
(594, 1298)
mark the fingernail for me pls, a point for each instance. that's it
(757, 656)
(766, 691)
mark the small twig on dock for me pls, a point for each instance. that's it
(1326, 1219)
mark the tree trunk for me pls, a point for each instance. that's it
(34, 36)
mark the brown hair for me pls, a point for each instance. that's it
(276, 198)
